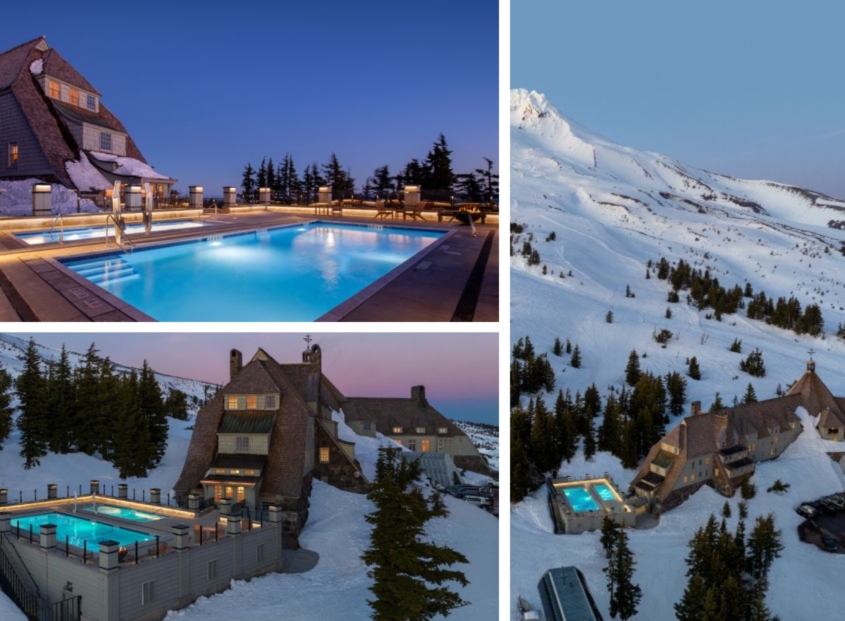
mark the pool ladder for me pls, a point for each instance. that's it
(61, 222)
(122, 240)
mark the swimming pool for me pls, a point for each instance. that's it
(604, 492)
(80, 530)
(123, 512)
(93, 232)
(580, 499)
(294, 273)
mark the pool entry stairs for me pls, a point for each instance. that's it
(106, 270)
(19, 586)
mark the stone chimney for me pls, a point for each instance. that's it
(695, 408)
(418, 395)
(236, 363)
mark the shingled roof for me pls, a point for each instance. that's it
(406, 412)
(46, 116)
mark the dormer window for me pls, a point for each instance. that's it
(251, 402)
(91, 102)
(242, 444)
(442, 430)
(270, 402)
(420, 429)
(397, 430)
(105, 142)
(73, 96)
(53, 89)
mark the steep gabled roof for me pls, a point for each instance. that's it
(388, 412)
(815, 395)
(13, 61)
(57, 67)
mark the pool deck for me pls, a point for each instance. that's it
(457, 279)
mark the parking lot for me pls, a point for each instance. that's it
(825, 522)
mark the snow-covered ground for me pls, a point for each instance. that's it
(611, 210)
(335, 588)
(16, 199)
(485, 438)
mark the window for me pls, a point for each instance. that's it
(53, 88)
(397, 430)
(148, 592)
(259, 552)
(242, 444)
(398, 441)
(105, 141)
(212, 569)
(73, 96)
(270, 402)
(251, 402)
(707, 460)
(366, 426)
(14, 154)
(420, 429)
(324, 454)
(412, 444)
(233, 402)
(91, 102)
(426, 446)
(442, 430)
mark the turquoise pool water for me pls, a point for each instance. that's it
(80, 530)
(604, 492)
(295, 273)
(580, 499)
(92, 232)
(123, 512)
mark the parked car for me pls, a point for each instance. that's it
(807, 511)
(479, 501)
(831, 544)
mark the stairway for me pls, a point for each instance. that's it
(720, 477)
(105, 271)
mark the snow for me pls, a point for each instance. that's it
(336, 588)
(129, 166)
(85, 176)
(612, 209)
(16, 199)
(36, 67)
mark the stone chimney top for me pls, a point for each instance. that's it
(236, 363)
(695, 408)
(418, 395)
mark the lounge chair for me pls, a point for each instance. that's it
(412, 209)
(337, 208)
(383, 210)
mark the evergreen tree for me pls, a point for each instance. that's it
(6, 408)
(176, 404)
(261, 177)
(736, 346)
(543, 452)
(575, 361)
(340, 180)
(624, 594)
(568, 346)
(488, 182)
(410, 572)
(61, 404)
(694, 371)
(609, 532)
(152, 406)
(753, 364)
(557, 349)
(609, 316)
(248, 183)
(33, 417)
(589, 440)
(717, 403)
(609, 432)
(133, 453)
(87, 396)
(439, 163)
(676, 386)
(632, 370)
(271, 177)
(750, 395)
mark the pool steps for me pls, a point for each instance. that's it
(106, 270)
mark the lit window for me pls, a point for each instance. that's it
(398, 441)
(686, 478)
(693, 476)
(233, 402)
(397, 430)
(412, 444)
(241, 493)
(426, 446)
(324, 454)
(91, 102)
(270, 402)
(251, 402)
(105, 141)
(148, 592)
(53, 87)
(14, 154)
(73, 96)
(442, 430)
(420, 429)
(242, 444)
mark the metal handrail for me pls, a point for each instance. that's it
(61, 222)
(129, 245)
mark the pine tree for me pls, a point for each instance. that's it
(133, 453)
(410, 572)
(632, 370)
(439, 163)
(609, 316)
(248, 183)
(609, 532)
(61, 403)
(557, 349)
(750, 395)
(624, 594)
(568, 346)
(694, 371)
(717, 403)
(261, 177)
(676, 385)
(176, 404)
(87, 396)
(271, 177)
(33, 417)
(6, 408)
(753, 364)
(152, 407)
(589, 440)
(575, 361)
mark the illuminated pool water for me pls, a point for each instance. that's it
(92, 232)
(604, 492)
(123, 512)
(580, 499)
(295, 273)
(79, 530)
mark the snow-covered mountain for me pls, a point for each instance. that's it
(596, 213)
(336, 528)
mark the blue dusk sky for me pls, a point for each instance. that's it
(460, 372)
(750, 89)
(204, 88)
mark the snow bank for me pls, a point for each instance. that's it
(16, 199)
(85, 176)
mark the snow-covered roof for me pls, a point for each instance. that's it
(85, 176)
(36, 67)
(128, 166)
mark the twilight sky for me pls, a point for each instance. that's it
(751, 89)
(460, 372)
(204, 88)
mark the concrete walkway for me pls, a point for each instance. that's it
(456, 279)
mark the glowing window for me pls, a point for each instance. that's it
(324, 454)
(251, 402)
(233, 403)
(73, 96)
(53, 88)
(442, 430)
(14, 154)
(397, 430)
(426, 446)
(420, 429)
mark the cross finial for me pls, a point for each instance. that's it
(308, 340)
(811, 352)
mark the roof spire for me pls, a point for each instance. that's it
(811, 364)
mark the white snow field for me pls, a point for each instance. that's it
(16, 199)
(612, 209)
(336, 588)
